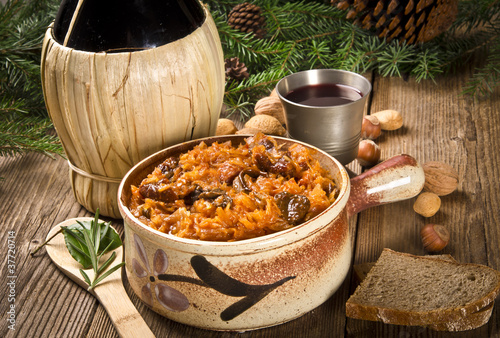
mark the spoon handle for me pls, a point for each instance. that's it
(122, 312)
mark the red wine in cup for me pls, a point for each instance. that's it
(324, 95)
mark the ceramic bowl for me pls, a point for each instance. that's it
(257, 282)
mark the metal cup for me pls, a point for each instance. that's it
(334, 129)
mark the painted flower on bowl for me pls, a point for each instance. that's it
(170, 298)
(209, 276)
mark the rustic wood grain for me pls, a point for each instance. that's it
(439, 125)
(35, 194)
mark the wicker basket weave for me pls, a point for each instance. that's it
(112, 110)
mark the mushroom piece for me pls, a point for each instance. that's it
(193, 195)
(211, 194)
(145, 212)
(217, 196)
(297, 208)
(328, 186)
(283, 166)
(282, 199)
(168, 166)
(154, 192)
(267, 143)
(223, 201)
(240, 184)
(262, 159)
(293, 207)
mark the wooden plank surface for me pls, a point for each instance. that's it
(439, 125)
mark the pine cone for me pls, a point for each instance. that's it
(412, 21)
(247, 18)
(235, 69)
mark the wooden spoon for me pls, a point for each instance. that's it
(110, 292)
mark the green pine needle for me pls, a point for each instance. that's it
(24, 123)
(300, 35)
(27, 133)
(313, 34)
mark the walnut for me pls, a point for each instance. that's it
(274, 93)
(270, 105)
(225, 127)
(440, 178)
(266, 124)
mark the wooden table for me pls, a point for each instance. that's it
(439, 125)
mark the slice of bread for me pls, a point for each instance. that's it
(361, 270)
(473, 321)
(404, 289)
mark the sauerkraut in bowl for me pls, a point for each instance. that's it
(227, 192)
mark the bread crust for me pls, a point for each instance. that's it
(439, 317)
(473, 321)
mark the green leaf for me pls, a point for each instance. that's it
(85, 277)
(91, 249)
(96, 235)
(78, 247)
(76, 233)
(109, 272)
(107, 263)
(87, 242)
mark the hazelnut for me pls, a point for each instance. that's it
(434, 237)
(225, 127)
(427, 204)
(368, 153)
(370, 128)
(270, 105)
(440, 178)
(389, 119)
(266, 124)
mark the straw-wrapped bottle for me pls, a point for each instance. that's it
(124, 79)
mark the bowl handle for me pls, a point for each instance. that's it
(398, 178)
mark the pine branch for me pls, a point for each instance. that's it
(365, 56)
(291, 46)
(482, 82)
(314, 34)
(300, 35)
(24, 120)
(475, 13)
(396, 60)
(249, 50)
(427, 65)
(28, 133)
